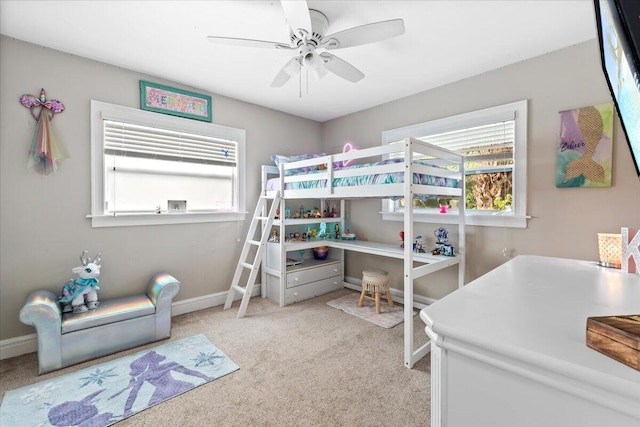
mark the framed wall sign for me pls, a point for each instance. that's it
(585, 148)
(177, 102)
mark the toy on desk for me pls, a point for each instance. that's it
(443, 247)
(348, 235)
(323, 231)
(81, 294)
(418, 244)
(402, 239)
(287, 213)
(337, 230)
(443, 208)
(274, 236)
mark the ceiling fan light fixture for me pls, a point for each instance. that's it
(307, 32)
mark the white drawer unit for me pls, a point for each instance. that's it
(303, 276)
(311, 278)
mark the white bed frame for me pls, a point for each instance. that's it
(407, 149)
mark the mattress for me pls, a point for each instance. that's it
(368, 179)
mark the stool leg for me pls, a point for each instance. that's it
(362, 294)
(389, 299)
(377, 302)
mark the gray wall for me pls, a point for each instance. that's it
(42, 219)
(565, 221)
(43, 227)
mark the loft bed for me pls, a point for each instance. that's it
(377, 172)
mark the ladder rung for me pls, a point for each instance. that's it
(247, 265)
(262, 218)
(239, 289)
(254, 242)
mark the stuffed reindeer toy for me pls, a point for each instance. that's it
(81, 294)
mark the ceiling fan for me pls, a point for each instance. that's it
(308, 35)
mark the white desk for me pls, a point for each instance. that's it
(509, 349)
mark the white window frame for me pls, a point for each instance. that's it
(101, 111)
(517, 216)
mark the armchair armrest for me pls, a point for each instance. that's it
(43, 312)
(161, 290)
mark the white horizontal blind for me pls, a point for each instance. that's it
(132, 140)
(487, 148)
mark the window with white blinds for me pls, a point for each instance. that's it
(494, 144)
(132, 140)
(150, 168)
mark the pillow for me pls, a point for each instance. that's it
(279, 159)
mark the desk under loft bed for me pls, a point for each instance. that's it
(379, 172)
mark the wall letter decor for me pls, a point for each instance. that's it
(630, 250)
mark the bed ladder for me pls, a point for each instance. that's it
(261, 244)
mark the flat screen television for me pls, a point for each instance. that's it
(619, 36)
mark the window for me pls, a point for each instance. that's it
(141, 161)
(493, 141)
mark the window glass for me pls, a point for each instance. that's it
(146, 165)
(494, 144)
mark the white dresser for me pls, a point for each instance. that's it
(509, 349)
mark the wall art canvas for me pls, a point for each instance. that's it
(585, 147)
(177, 102)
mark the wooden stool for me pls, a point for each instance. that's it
(375, 283)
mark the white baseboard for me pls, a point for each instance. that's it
(17, 346)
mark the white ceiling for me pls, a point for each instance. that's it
(444, 41)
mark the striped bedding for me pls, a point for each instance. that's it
(371, 179)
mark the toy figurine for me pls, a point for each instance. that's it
(337, 230)
(287, 213)
(443, 247)
(418, 245)
(81, 294)
(274, 236)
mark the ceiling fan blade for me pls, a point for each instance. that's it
(368, 33)
(232, 41)
(297, 14)
(341, 68)
(290, 69)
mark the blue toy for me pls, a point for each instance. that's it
(81, 294)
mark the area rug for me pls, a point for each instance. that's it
(112, 391)
(388, 317)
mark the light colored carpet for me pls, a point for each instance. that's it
(306, 364)
(388, 317)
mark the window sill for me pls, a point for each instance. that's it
(509, 221)
(128, 220)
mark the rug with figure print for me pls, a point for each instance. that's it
(107, 393)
